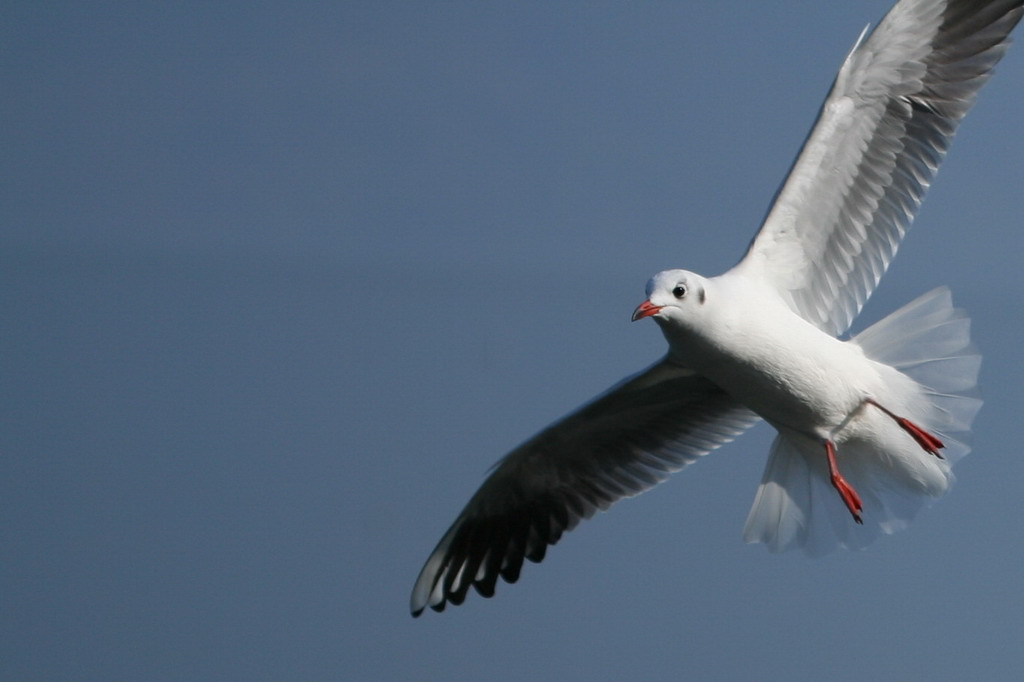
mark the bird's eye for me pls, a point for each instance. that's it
(679, 291)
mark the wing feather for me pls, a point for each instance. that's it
(880, 137)
(623, 443)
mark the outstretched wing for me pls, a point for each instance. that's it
(621, 444)
(879, 139)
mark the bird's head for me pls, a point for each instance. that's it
(674, 297)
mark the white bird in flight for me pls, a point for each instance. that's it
(866, 426)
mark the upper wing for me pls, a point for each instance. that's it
(621, 444)
(879, 139)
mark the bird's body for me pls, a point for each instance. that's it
(822, 392)
(769, 359)
(869, 426)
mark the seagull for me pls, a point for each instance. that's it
(868, 427)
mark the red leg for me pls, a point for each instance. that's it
(928, 442)
(846, 491)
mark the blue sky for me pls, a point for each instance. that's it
(282, 280)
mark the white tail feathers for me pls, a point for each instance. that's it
(927, 343)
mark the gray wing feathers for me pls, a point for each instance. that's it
(623, 443)
(884, 129)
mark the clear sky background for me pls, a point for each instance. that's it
(280, 281)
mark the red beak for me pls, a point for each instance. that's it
(645, 309)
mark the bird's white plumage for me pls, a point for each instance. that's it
(760, 340)
(929, 370)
